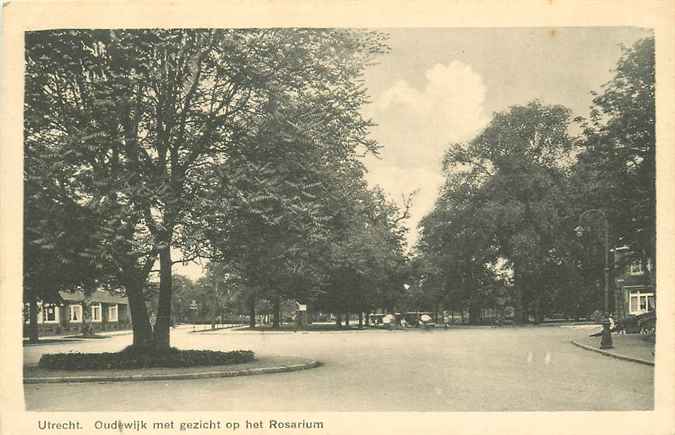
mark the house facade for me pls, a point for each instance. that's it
(635, 291)
(107, 312)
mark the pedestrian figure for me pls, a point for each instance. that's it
(298, 320)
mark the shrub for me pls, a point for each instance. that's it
(139, 357)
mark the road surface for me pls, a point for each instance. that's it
(464, 369)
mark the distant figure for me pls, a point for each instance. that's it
(404, 324)
(298, 321)
(612, 324)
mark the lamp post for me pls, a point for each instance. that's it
(606, 341)
(605, 225)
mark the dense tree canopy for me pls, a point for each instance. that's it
(515, 192)
(617, 169)
(234, 145)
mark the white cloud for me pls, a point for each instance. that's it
(415, 127)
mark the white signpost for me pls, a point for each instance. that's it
(193, 308)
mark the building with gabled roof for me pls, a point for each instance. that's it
(108, 311)
(635, 289)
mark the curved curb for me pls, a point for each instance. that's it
(613, 355)
(197, 331)
(309, 364)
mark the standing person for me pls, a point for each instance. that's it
(298, 320)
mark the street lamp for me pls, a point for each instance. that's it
(606, 341)
(580, 229)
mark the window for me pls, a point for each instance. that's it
(96, 312)
(50, 314)
(112, 313)
(641, 302)
(75, 313)
(634, 303)
(635, 268)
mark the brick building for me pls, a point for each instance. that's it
(634, 284)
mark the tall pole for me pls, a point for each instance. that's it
(580, 230)
(606, 265)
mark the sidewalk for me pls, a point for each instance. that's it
(632, 347)
(59, 339)
(73, 336)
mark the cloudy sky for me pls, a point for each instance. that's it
(439, 86)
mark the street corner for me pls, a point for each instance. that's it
(634, 348)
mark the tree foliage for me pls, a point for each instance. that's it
(616, 171)
(218, 143)
(515, 192)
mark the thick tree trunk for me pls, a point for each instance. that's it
(367, 321)
(338, 320)
(360, 319)
(346, 319)
(520, 314)
(87, 329)
(163, 323)
(276, 312)
(140, 322)
(34, 335)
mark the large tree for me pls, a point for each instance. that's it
(505, 198)
(149, 117)
(616, 171)
(367, 264)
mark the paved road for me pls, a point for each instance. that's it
(472, 369)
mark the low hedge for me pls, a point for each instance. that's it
(137, 358)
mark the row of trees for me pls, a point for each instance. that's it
(238, 146)
(503, 226)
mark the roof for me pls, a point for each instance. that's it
(104, 296)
